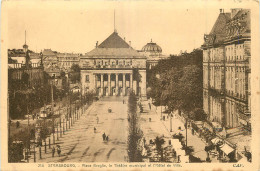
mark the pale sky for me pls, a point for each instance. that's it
(76, 26)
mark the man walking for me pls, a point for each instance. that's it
(97, 119)
(58, 150)
(104, 137)
(53, 151)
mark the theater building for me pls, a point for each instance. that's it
(113, 68)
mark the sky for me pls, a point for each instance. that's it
(77, 26)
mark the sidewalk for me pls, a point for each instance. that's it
(62, 139)
(155, 114)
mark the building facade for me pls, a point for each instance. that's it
(113, 68)
(25, 65)
(66, 60)
(54, 62)
(227, 70)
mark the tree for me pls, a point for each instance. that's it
(198, 114)
(137, 77)
(158, 143)
(75, 68)
(135, 134)
(75, 73)
(25, 79)
(179, 85)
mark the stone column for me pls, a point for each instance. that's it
(116, 84)
(123, 84)
(95, 83)
(109, 84)
(131, 81)
(102, 84)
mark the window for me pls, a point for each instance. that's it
(87, 78)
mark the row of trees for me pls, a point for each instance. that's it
(177, 82)
(24, 136)
(135, 134)
(38, 95)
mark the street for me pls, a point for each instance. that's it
(81, 144)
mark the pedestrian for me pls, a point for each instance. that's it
(97, 119)
(107, 138)
(53, 151)
(192, 130)
(95, 129)
(33, 116)
(17, 124)
(104, 136)
(58, 150)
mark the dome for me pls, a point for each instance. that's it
(152, 47)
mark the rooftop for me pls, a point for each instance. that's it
(113, 46)
(114, 41)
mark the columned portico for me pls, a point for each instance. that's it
(111, 82)
(109, 68)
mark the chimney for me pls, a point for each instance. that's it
(220, 10)
(97, 44)
(129, 43)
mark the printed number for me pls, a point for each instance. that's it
(40, 165)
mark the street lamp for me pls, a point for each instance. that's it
(158, 77)
(171, 122)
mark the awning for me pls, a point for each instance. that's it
(226, 149)
(176, 143)
(184, 159)
(215, 140)
(180, 152)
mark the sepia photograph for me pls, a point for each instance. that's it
(128, 85)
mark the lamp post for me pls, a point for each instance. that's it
(60, 121)
(171, 122)
(52, 109)
(158, 77)
(186, 127)
(186, 133)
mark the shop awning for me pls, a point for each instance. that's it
(180, 152)
(184, 159)
(226, 149)
(215, 140)
(176, 143)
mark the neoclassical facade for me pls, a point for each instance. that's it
(113, 68)
(227, 70)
